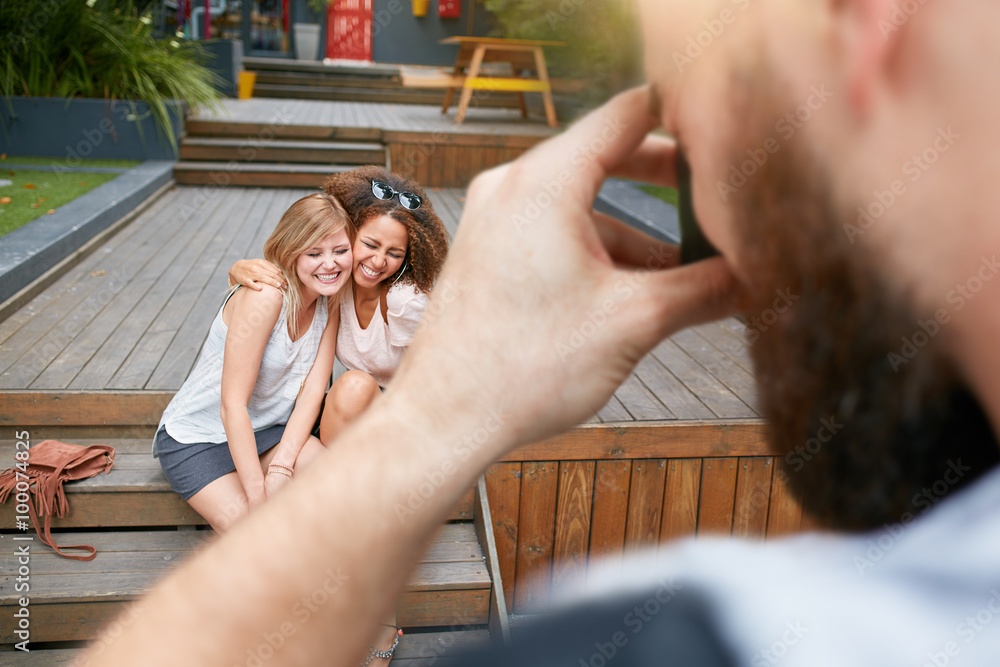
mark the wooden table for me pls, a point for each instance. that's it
(522, 54)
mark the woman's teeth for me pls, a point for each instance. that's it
(368, 272)
(327, 277)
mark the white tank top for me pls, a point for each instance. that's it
(193, 415)
(378, 349)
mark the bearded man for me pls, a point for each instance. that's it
(841, 150)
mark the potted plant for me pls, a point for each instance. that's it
(307, 34)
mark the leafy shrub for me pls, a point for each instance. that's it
(602, 39)
(97, 48)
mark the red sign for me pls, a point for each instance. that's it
(349, 30)
(450, 9)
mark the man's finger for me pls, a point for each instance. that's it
(628, 246)
(668, 301)
(582, 156)
(652, 162)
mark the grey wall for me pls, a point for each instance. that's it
(400, 37)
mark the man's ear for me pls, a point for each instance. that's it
(870, 33)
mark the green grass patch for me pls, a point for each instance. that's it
(34, 193)
(58, 162)
(668, 195)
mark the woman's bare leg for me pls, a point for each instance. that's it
(350, 395)
(222, 502)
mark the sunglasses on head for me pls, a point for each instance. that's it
(407, 200)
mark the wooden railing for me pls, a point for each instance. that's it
(599, 492)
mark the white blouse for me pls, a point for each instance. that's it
(378, 349)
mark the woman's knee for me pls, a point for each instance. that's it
(351, 390)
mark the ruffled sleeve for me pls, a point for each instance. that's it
(405, 306)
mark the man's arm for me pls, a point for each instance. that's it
(494, 354)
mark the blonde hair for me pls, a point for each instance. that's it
(306, 222)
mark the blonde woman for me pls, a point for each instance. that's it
(240, 425)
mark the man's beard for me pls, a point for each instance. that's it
(867, 438)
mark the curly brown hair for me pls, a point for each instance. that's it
(428, 238)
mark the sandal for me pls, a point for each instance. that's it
(373, 653)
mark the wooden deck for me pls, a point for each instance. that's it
(133, 315)
(387, 117)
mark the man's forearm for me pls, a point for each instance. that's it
(324, 561)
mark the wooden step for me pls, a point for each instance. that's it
(254, 174)
(135, 494)
(417, 649)
(327, 80)
(368, 70)
(254, 131)
(281, 150)
(71, 600)
(434, 97)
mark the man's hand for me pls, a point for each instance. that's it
(545, 307)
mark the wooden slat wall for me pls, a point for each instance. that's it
(553, 518)
(448, 161)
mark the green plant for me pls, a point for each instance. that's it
(98, 48)
(602, 39)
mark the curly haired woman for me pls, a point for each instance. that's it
(399, 248)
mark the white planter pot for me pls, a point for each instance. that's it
(306, 41)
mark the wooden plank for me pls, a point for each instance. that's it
(613, 411)
(112, 548)
(784, 513)
(97, 371)
(723, 368)
(121, 509)
(499, 622)
(645, 504)
(66, 316)
(442, 608)
(82, 408)
(682, 488)
(503, 485)
(753, 493)
(536, 523)
(449, 577)
(720, 401)
(727, 338)
(607, 530)
(718, 489)
(572, 538)
(137, 368)
(475, 140)
(640, 402)
(679, 439)
(671, 391)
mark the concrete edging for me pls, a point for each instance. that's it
(29, 251)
